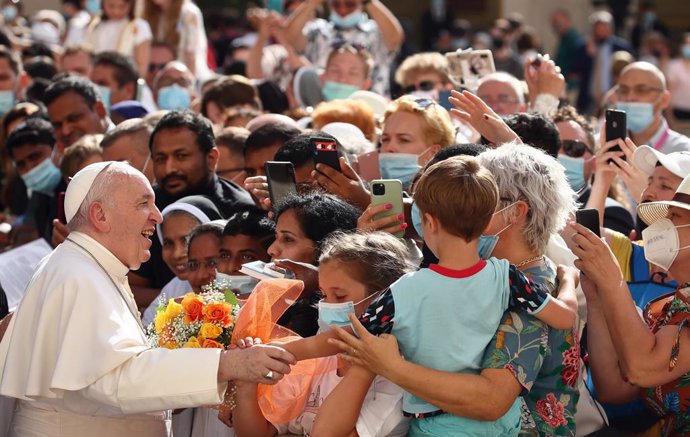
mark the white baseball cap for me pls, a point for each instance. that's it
(646, 159)
(79, 187)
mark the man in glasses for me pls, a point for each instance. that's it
(642, 93)
(503, 92)
(424, 75)
(161, 54)
(577, 156)
(349, 21)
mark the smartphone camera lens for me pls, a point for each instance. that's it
(379, 189)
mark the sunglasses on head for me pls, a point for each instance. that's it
(342, 44)
(575, 148)
(423, 103)
(425, 85)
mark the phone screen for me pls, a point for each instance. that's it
(281, 181)
(589, 218)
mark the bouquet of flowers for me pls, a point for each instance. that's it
(204, 320)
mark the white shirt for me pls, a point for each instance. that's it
(75, 354)
(381, 413)
(677, 74)
(110, 35)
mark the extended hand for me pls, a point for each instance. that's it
(475, 112)
(345, 184)
(595, 258)
(390, 224)
(307, 273)
(259, 364)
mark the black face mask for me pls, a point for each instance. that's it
(499, 43)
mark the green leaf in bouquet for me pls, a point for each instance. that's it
(230, 297)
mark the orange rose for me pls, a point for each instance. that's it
(218, 313)
(193, 306)
(211, 344)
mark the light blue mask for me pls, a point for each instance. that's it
(639, 115)
(105, 96)
(174, 98)
(336, 90)
(43, 178)
(487, 243)
(9, 13)
(93, 7)
(348, 21)
(417, 220)
(401, 166)
(574, 171)
(7, 100)
(685, 51)
(336, 313)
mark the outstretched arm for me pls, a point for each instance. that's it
(389, 26)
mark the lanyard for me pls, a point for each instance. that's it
(112, 281)
(661, 141)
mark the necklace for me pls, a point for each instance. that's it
(529, 260)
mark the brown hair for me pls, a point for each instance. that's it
(75, 155)
(354, 112)
(459, 193)
(422, 63)
(153, 13)
(376, 259)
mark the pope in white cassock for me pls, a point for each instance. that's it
(75, 356)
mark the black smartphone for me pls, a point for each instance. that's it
(61, 207)
(589, 218)
(326, 152)
(616, 127)
(281, 181)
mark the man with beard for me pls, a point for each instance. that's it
(184, 156)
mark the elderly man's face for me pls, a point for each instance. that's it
(72, 118)
(78, 62)
(104, 75)
(636, 85)
(8, 78)
(501, 97)
(179, 164)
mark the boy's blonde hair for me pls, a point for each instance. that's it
(422, 63)
(76, 154)
(436, 123)
(355, 49)
(459, 193)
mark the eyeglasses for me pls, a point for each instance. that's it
(623, 91)
(348, 45)
(425, 85)
(575, 148)
(155, 67)
(194, 266)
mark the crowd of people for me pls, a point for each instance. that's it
(487, 304)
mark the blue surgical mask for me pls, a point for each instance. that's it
(105, 96)
(417, 220)
(174, 98)
(9, 13)
(43, 178)
(401, 166)
(348, 21)
(639, 115)
(7, 100)
(685, 51)
(487, 243)
(93, 7)
(336, 90)
(336, 313)
(574, 171)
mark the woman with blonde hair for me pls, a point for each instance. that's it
(180, 24)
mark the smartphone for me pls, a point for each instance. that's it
(275, 6)
(281, 181)
(61, 207)
(616, 127)
(468, 66)
(388, 191)
(369, 167)
(326, 152)
(589, 218)
(443, 97)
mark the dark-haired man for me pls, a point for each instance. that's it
(263, 143)
(117, 78)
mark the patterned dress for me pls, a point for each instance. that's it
(545, 361)
(670, 401)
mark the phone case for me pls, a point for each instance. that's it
(281, 180)
(369, 168)
(589, 218)
(326, 152)
(393, 194)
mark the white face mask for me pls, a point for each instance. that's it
(661, 243)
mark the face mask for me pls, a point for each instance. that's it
(685, 51)
(639, 115)
(336, 90)
(105, 96)
(417, 220)
(93, 7)
(574, 171)
(348, 21)
(402, 166)
(9, 13)
(487, 243)
(174, 98)
(242, 284)
(661, 243)
(421, 94)
(336, 313)
(43, 178)
(6, 101)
